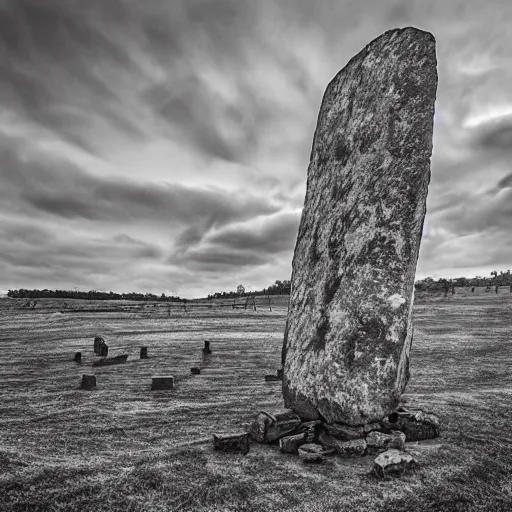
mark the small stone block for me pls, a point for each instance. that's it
(379, 442)
(207, 349)
(162, 383)
(280, 373)
(291, 444)
(311, 452)
(352, 448)
(270, 426)
(235, 443)
(143, 352)
(417, 425)
(88, 382)
(272, 378)
(343, 432)
(392, 462)
(195, 370)
(78, 357)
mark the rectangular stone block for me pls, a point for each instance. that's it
(238, 442)
(166, 382)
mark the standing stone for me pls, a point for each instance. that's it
(143, 352)
(349, 326)
(78, 357)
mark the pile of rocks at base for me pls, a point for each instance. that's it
(313, 440)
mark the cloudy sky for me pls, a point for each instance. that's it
(162, 145)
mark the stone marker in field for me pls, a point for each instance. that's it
(232, 442)
(392, 462)
(166, 382)
(206, 349)
(88, 382)
(143, 352)
(349, 326)
(98, 343)
(195, 370)
(78, 357)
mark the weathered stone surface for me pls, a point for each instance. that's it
(143, 352)
(417, 425)
(238, 442)
(270, 426)
(370, 427)
(78, 357)
(349, 326)
(291, 444)
(379, 442)
(351, 448)
(311, 452)
(272, 378)
(392, 462)
(343, 432)
(311, 429)
(195, 370)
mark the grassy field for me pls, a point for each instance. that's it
(125, 448)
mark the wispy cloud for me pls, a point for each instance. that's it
(171, 139)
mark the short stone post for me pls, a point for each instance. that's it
(143, 352)
(103, 350)
(206, 349)
(88, 382)
(195, 370)
(78, 357)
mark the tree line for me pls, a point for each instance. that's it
(503, 278)
(23, 293)
(278, 288)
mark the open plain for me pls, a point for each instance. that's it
(123, 447)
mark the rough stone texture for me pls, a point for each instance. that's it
(78, 357)
(195, 370)
(270, 426)
(143, 352)
(311, 429)
(352, 448)
(379, 442)
(349, 326)
(311, 452)
(392, 462)
(417, 425)
(343, 432)
(291, 444)
(238, 442)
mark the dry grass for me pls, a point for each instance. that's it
(123, 447)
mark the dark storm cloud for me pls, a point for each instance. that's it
(276, 235)
(64, 190)
(496, 137)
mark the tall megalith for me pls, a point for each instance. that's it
(349, 326)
